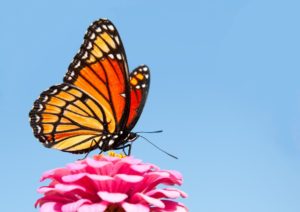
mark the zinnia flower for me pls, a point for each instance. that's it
(106, 183)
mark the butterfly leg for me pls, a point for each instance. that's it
(123, 149)
(129, 149)
(89, 151)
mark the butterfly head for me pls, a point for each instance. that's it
(132, 137)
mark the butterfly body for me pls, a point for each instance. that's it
(99, 102)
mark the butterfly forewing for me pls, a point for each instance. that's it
(100, 69)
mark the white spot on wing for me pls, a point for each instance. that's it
(89, 46)
(119, 56)
(111, 56)
(146, 76)
(92, 36)
(101, 143)
(117, 40)
(54, 91)
(98, 29)
(77, 64)
(85, 55)
(145, 68)
(104, 27)
(111, 27)
(40, 107)
(45, 98)
(37, 118)
(124, 95)
(137, 87)
(65, 87)
(38, 129)
(110, 142)
(143, 85)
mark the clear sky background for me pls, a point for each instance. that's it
(225, 89)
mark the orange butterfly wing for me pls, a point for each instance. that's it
(67, 119)
(139, 87)
(100, 69)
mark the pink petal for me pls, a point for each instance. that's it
(152, 179)
(66, 188)
(44, 189)
(57, 173)
(124, 183)
(182, 194)
(176, 174)
(166, 193)
(76, 166)
(141, 168)
(73, 206)
(53, 197)
(170, 206)
(73, 177)
(50, 207)
(91, 182)
(174, 177)
(135, 207)
(99, 177)
(129, 178)
(131, 160)
(97, 207)
(158, 174)
(111, 159)
(97, 163)
(112, 197)
(137, 197)
(76, 177)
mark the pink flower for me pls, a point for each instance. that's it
(107, 183)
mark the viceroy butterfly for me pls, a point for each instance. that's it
(98, 103)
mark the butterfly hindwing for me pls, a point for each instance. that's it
(100, 69)
(139, 87)
(68, 119)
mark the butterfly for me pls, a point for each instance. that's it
(98, 103)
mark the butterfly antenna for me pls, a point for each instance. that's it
(157, 131)
(158, 147)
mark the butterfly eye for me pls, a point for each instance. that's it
(132, 137)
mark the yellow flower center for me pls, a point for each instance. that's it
(111, 154)
(114, 154)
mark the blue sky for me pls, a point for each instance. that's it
(225, 89)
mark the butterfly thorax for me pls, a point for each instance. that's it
(116, 141)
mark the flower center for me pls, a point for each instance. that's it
(114, 208)
(111, 154)
(114, 154)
